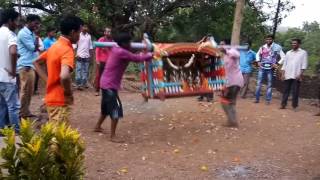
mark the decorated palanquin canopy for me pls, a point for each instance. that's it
(185, 48)
(182, 69)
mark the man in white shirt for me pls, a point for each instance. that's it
(294, 64)
(84, 56)
(9, 100)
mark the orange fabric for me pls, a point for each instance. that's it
(60, 53)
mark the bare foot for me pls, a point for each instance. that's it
(98, 129)
(116, 139)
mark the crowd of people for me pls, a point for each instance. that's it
(26, 58)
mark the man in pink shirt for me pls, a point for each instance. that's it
(119, 58)
(102, 55)
(234, 83)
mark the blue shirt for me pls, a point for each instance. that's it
(26, 48)
(246, 59)
(47, 42)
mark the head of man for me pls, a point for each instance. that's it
(84, 29)
(222, 43)
(33, 22)
(269, 39)
(123, 39)
(107, 32)
(295, 43)
(51, 32)
(70, 27)
(248, 44)
(9, 18)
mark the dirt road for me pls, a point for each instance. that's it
(184, 139)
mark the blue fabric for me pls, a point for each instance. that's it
(82, 71)
(246, 60)
(26, 48)
(4, 117)
(47, 42)
(9, 105)
(261, 75)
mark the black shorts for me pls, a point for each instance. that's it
(111, 104)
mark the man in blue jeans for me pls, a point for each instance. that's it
(267, 58)
(84, 57)
(9, 101)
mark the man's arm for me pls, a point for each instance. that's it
(41, 45)
(37, 65)
(282, 56)
(284, 65)
(27, 41)
(13, 57)
(13, 54)
(258, 57)
(91, 50)
(136, 57)
(304, 65)
(254, 55)
(65, 77)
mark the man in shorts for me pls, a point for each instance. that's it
(110, 82)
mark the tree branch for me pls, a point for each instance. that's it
(36, 5)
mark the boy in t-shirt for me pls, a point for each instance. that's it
(60, 63)
(110, 82)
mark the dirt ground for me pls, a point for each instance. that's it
(184, 139)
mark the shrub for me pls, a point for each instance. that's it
(56, 152)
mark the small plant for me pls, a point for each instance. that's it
(56, 152)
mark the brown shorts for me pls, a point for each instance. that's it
(59, 113)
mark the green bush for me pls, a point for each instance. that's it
(56, 152)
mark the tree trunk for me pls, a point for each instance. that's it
(238, 17)
(276, 19)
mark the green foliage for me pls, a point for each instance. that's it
(215, 18)
(54, 153)
(133, 68)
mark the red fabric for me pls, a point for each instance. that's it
(102, 54)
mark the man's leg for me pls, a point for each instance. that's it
(4, 119)
(286, 93)
(10, 95)
(113, 137)
(78, 72)
(259, 84)
(13, 104)
(295, 93)
(244, 89)
(59, 113)
(27, 76)
(269, 86)
(228, 104)
(98, 127)
(97, 79)
(36, 83)
(85, 73)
